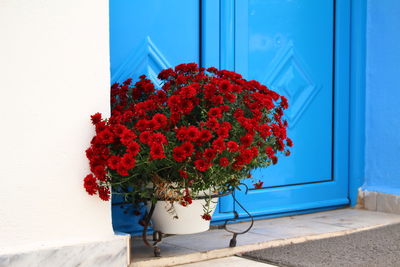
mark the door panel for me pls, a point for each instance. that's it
(146, 37)
(300, 49)
(290, 49)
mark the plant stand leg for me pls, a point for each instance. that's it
(232, 242)
(157, 235)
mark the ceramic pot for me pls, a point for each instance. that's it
(177, 219)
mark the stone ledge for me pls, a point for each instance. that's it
(377, 201)
(107, 253)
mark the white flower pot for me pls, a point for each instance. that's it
(181, 220)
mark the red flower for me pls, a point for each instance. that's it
(106, 136)
(90, 184)
(100, 172)
(289, 142)
(188, 91)
(188, 148)
(205, 135)
(192, 133)
(128, 161)
(284, 102)
(264, 130)
(183, 174)
(133, 148)
(179, 154)
(119, 129)
(209, 154)
(159, 138)
(218, 144)
(246, 140)
(160, 119)
(165, 74)
(144, 137)
(181, 133)
(269, 151)
(96, 118)
(206, 216)
(215, 113)
(127, 137)
(122, 171)
(232, 146)
(223, 161)
(113, 162)
(258, 185)
(202, 165)
(156, 151)
(104, 193)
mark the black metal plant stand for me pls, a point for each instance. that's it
(158, 236)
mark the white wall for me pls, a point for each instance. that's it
(54, 73)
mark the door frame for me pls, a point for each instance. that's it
(349, 65)
(357, 98)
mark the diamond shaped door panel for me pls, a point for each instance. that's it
(148, 36)
(290, 49)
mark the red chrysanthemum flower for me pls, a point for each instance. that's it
(269, 151)
(127, 137)
(259, 184)
(224, 161)
(128, 161)
(232, 146)
(90, 184)
(202, 165)
(106, 136)
(160, 119)
(113, 162)
(104, 193)
(156, 151)
(181, 133)
(192, 133)
(206, 217)
(133, 148)
(209, 154)
(96, 118)
(183, 174)
(289, 142)
(158, 138)
(246, 140)
(145, 137)
(188, 148)
(179, 154)
(205, 135)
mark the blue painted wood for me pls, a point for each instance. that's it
(357, 98)
(210, 33)
(212, 42)
(294, 55)
(146, 37)
(227, 28)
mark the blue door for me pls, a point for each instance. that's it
(298, 48)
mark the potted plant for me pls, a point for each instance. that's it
(181, 145)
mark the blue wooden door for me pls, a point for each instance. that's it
(300, 49)
(296, 47)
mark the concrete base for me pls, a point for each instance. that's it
(376, 201)
(107, 253)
